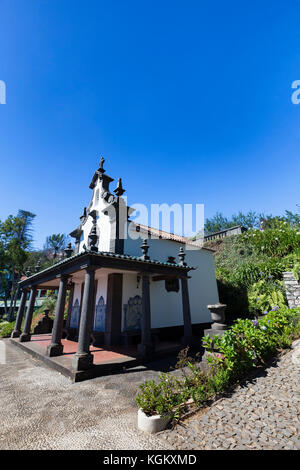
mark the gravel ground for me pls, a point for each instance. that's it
(262, 414)
(41, 409)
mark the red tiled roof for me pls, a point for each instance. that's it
(169, 236)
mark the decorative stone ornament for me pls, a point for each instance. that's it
(28, 272)
(145, 249)
(181, 256)
(84, 214)
(217, 313)
(101, 163)
(218, 327)
(38, 266)
(68, 251)
(119, 189)
(93, 237)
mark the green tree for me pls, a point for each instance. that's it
(251, 219)
(55, 244)
(15, 241)
(217, 223)
(292, 218)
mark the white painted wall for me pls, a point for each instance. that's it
(166, 307)
(76, 296)
(103, 223)
(101, 290)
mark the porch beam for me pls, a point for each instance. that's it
(109, 262)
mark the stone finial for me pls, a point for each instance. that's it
(101, 163)
(181, 256)
(145, 249)
(69, 250)
(93, 237)
(93, 214)
(119, 189)
(38, 266)
(84, 214)
(28, 272)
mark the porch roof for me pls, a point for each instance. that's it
(104, 259)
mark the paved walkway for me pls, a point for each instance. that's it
(41, 409)
(263, 414)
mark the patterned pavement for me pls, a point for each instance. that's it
(261, 414)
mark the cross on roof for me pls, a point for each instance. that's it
(101, 163)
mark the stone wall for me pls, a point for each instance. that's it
(292, 287)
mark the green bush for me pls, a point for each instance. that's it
(243, 346)
(248, 342)
(265, 294)
(275, 243)
(162, 397)
(6, 329)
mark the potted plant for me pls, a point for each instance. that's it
(158, 403)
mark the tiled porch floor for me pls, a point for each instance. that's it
(107, 360)
(105, 354)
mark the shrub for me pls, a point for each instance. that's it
(275, 243)
(243, 346)
(265, 294)
(6, 329)
(248, 342)
(162, 397)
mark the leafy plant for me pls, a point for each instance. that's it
(248, 342)
(266, 294)
(243, 346)
(162, 397)
(275, 243)
(6, 329)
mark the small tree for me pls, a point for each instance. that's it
(15, 241)
(55, 244)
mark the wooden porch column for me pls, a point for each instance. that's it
(145, 347)
(113, 316)
(26, 336)
(56, 347)
(83, 359)
(187, 336)
(71, 298)
(17, 329)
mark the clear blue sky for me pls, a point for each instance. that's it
(188, 101)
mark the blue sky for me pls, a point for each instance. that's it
(189, 102)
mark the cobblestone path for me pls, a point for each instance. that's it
(263, 414)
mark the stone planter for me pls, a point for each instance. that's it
(218, 328)
(153, 424)
(217, 313)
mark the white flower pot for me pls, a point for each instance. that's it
(153, 424)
